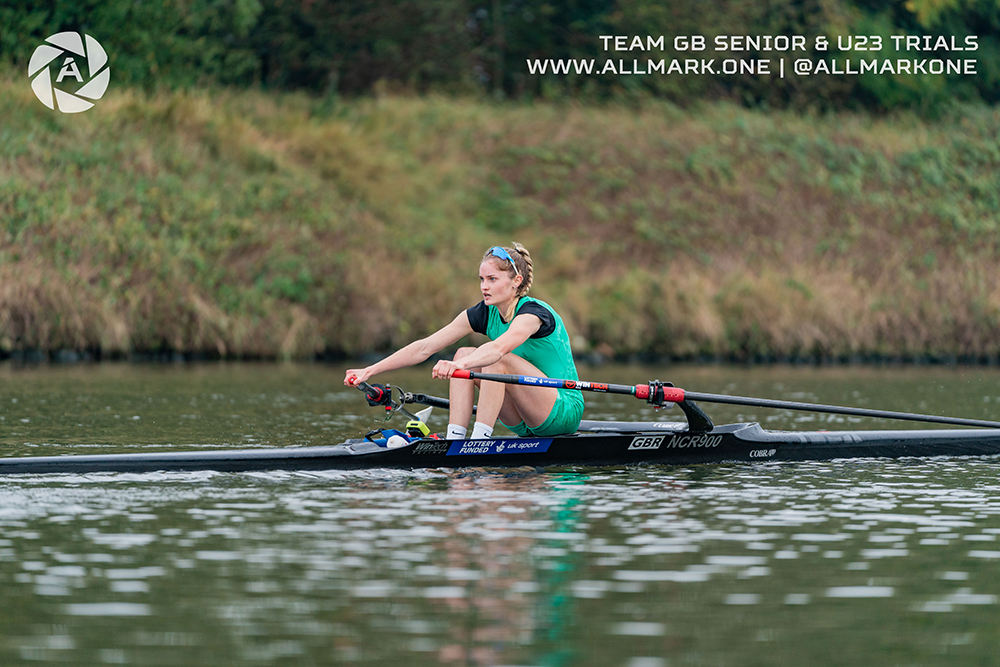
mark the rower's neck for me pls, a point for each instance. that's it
(507, 309)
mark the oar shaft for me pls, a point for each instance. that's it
(432, 401)
(532, 381)
(677, 395)
(835, 409)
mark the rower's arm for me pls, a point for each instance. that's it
(521, 329)
(419, 350)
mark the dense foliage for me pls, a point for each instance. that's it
(350, 46)
(240, 194)
(261, 224)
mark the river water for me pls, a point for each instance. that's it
(834, 563)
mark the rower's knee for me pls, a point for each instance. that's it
(499, 367)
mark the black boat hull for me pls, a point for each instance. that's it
(608, 444)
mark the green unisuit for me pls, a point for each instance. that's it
(553, 356)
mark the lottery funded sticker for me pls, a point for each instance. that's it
(502, 446)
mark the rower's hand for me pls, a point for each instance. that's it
(444, 369)
(355, 376)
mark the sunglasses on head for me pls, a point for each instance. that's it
(497, 251)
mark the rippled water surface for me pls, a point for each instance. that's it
(842, 562)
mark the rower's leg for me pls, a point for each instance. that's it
(514, 403)
(491, 401)
(461, 394)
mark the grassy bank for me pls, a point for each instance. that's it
(248, 224)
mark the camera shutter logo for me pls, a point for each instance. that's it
(67, 51)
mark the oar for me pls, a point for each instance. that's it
(657, 394)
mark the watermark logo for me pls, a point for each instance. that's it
(65, 53)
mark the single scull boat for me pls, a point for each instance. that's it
(597, 443)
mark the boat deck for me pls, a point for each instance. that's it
(597, 444)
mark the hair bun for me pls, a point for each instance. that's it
(528, 271)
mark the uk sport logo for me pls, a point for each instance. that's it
(56, 72)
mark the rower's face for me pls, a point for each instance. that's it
(495, 283)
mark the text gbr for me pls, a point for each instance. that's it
(675, 441)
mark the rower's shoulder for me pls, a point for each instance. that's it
(544, 312)
(479, 317)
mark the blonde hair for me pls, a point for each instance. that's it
(522, 260)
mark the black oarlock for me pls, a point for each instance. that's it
(376, 394)
(698, 421)
(656, 397)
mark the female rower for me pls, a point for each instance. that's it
(527, 337)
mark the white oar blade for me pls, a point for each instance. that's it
(424, 414)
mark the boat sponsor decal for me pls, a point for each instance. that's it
(591, 386)
(433, 447)
(464, 447)
(675, 441)
(762, 453)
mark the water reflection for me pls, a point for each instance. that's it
(502, 567)
(836, 562)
